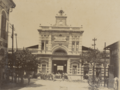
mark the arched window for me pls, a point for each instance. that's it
(3, 25)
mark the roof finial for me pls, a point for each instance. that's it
(61, 12)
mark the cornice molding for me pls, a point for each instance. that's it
(69, 31)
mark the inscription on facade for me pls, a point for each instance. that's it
(59, 58)
(57, 39)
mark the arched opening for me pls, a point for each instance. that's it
(3, 25)
(59, 66)
(60, 52)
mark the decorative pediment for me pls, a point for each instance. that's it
(44, 60)
(60, 52)
(75, 61)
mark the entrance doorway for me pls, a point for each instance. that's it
(59, 66)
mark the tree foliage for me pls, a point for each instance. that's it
(25, 59)
(92, 56)
(3, 62)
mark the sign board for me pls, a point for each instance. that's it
(60, 68)
(60, 38)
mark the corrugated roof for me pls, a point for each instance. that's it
(111, 45)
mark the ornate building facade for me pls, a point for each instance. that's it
(60, 47)
(6, 7)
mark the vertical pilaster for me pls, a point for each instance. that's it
(107, 70)
(0, 23)
(39, 42)
(50, 65)
(7, 22)
(49, 43)
(82, 72)
(102, 74)
(70, 43)
(68, 66)
(6, 33)
(95, 70)
(79, 72)
(75, 46)
(80, 44)
(38, 69)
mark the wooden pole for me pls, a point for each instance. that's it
(105, 64)
(12, 49)
(12, 39)
(95, 56)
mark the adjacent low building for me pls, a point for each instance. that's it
(114, 62)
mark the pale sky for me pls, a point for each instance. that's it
(100, 19)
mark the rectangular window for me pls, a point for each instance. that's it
(46, 41)
(46, 46)
(73, 45)
(73, 42)
(42, 45)
(77, 43)
(44, 68)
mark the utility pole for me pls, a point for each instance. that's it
(104, 63)
(95, 57)
(12, 39)
(94, 43)
(16, 41)
(12, 48)
(15, 55)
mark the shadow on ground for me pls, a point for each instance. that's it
(91, 88)
(80, 81)
(13, 86)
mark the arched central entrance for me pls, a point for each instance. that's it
(59, 64)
